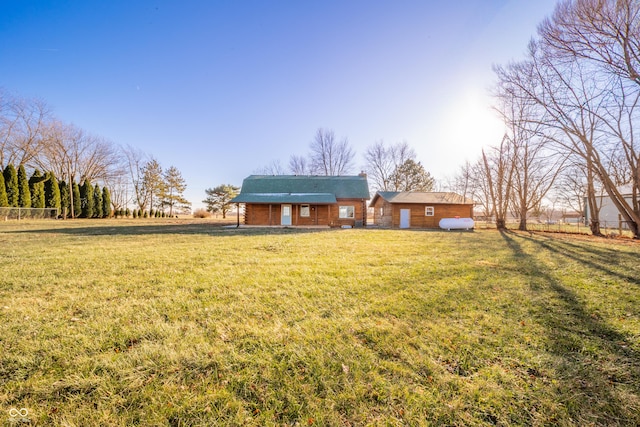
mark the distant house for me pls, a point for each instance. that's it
(293, 200)
(609, 215)
(418, 210)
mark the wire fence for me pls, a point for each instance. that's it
(28, 213)
(608, 228)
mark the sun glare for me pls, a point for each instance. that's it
(468, 125)
(472, 123)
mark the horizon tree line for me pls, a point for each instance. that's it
(31, 138)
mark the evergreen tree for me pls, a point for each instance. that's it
(173, 190)
(52, 192)
(36, 189)
(24, 195)
(411, 176)
(135, 213)
(127, 213)
(3, 193)
(219, 198)
(77, 201)
(139, 213)
(88, 200)
(97, 202)
(106, 203)
(11, 185)
(65, 200)
(153, 183)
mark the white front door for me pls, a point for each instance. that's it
(285, 217)
(405, 214)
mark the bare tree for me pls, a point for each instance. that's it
(462, 181)
(135, 162)
(273, 168)
(60, 154)
(67, 148)
(498, 168)
(383, 161)
(574, 184)
(330, 157)
(606, 32)
(298, 165)
(566, 107)
(480, 188)
(602, 36)
(622, 112)
(22, 122)
(119, 191)
(536, 166)
(379, 165)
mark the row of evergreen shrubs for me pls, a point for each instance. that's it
(45, 191)
(139, 213)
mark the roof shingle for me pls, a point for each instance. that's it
(423, 197)
(301, 189)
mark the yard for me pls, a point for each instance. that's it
(186, 323)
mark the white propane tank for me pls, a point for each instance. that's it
(456, 223)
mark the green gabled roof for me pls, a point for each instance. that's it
(296, 198)
(301, 189)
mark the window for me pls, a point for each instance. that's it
(304, 210)
(428, 211)
(346, 212)
(381, 211)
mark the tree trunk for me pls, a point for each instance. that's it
(523, 217)
(523, 224)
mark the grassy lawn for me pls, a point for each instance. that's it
(182, 323)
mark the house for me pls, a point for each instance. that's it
(296, 200)
(609, 215)
(409, 209)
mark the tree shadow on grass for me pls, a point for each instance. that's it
(598, 258)
(598, 368)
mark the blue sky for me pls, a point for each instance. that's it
(220, 89)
